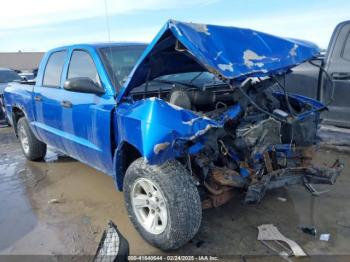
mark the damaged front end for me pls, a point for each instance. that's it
(241, 130)
(254, 151)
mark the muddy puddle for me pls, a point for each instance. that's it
(61, 206)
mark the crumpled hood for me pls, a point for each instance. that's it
(229, 52)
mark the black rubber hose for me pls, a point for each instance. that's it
(331, 99)
(290, 109)
(240, 87)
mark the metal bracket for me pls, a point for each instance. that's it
(313, 190)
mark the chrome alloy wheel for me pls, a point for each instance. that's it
(149, 206)
(23, 138)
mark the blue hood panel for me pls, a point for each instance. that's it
(229, 52)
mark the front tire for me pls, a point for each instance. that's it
(32, 148)
(163, 203)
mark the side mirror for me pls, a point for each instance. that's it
(83, 85)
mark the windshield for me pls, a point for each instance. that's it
(9, 76)
(193, 78)
(120, 60)
(190, 79)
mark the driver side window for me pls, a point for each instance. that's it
(346, 48)
(82, 65)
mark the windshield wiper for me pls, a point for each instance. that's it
(196, 77)
(174, 82)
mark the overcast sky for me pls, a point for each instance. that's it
(38, 25)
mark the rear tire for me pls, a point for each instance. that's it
(170, 195)
(32, 148)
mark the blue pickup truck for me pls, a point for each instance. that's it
(180, 124)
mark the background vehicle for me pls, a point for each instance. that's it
(6, 76)
(27, 75)
(194, 121)
(312, 81)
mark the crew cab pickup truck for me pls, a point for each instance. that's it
(195, 120)
(327, 78)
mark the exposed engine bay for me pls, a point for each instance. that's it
(269, 144)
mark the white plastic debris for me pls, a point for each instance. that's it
(53, 201)
(270, 232)
(325, 237)
(282, 199)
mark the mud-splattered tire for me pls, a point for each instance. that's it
(178, 199)
(32, 148)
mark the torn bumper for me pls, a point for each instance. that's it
(292, 176)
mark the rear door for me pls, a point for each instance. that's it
(86, 117)
(48, 110)
(338, 66)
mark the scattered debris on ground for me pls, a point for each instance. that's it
(309, 230)
(113, 246)
(53, 201)
(271, 233)
(325, 237)
(282, 199)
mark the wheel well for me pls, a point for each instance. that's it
(125, 156)
(16, 115)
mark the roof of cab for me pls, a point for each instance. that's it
(99, 45)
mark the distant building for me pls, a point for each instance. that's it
(21, 60)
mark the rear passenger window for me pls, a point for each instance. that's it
(346, 50)
(53, 70)
(82, 65)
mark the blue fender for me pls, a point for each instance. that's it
(159, 130)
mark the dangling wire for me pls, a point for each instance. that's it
(240, 88)
(290, 108)
(331, 99)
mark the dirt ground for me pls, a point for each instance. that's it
(87, 200)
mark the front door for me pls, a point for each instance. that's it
(87, 116)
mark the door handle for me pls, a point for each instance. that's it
(341, 76)
(66, 104)
(38, 98)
